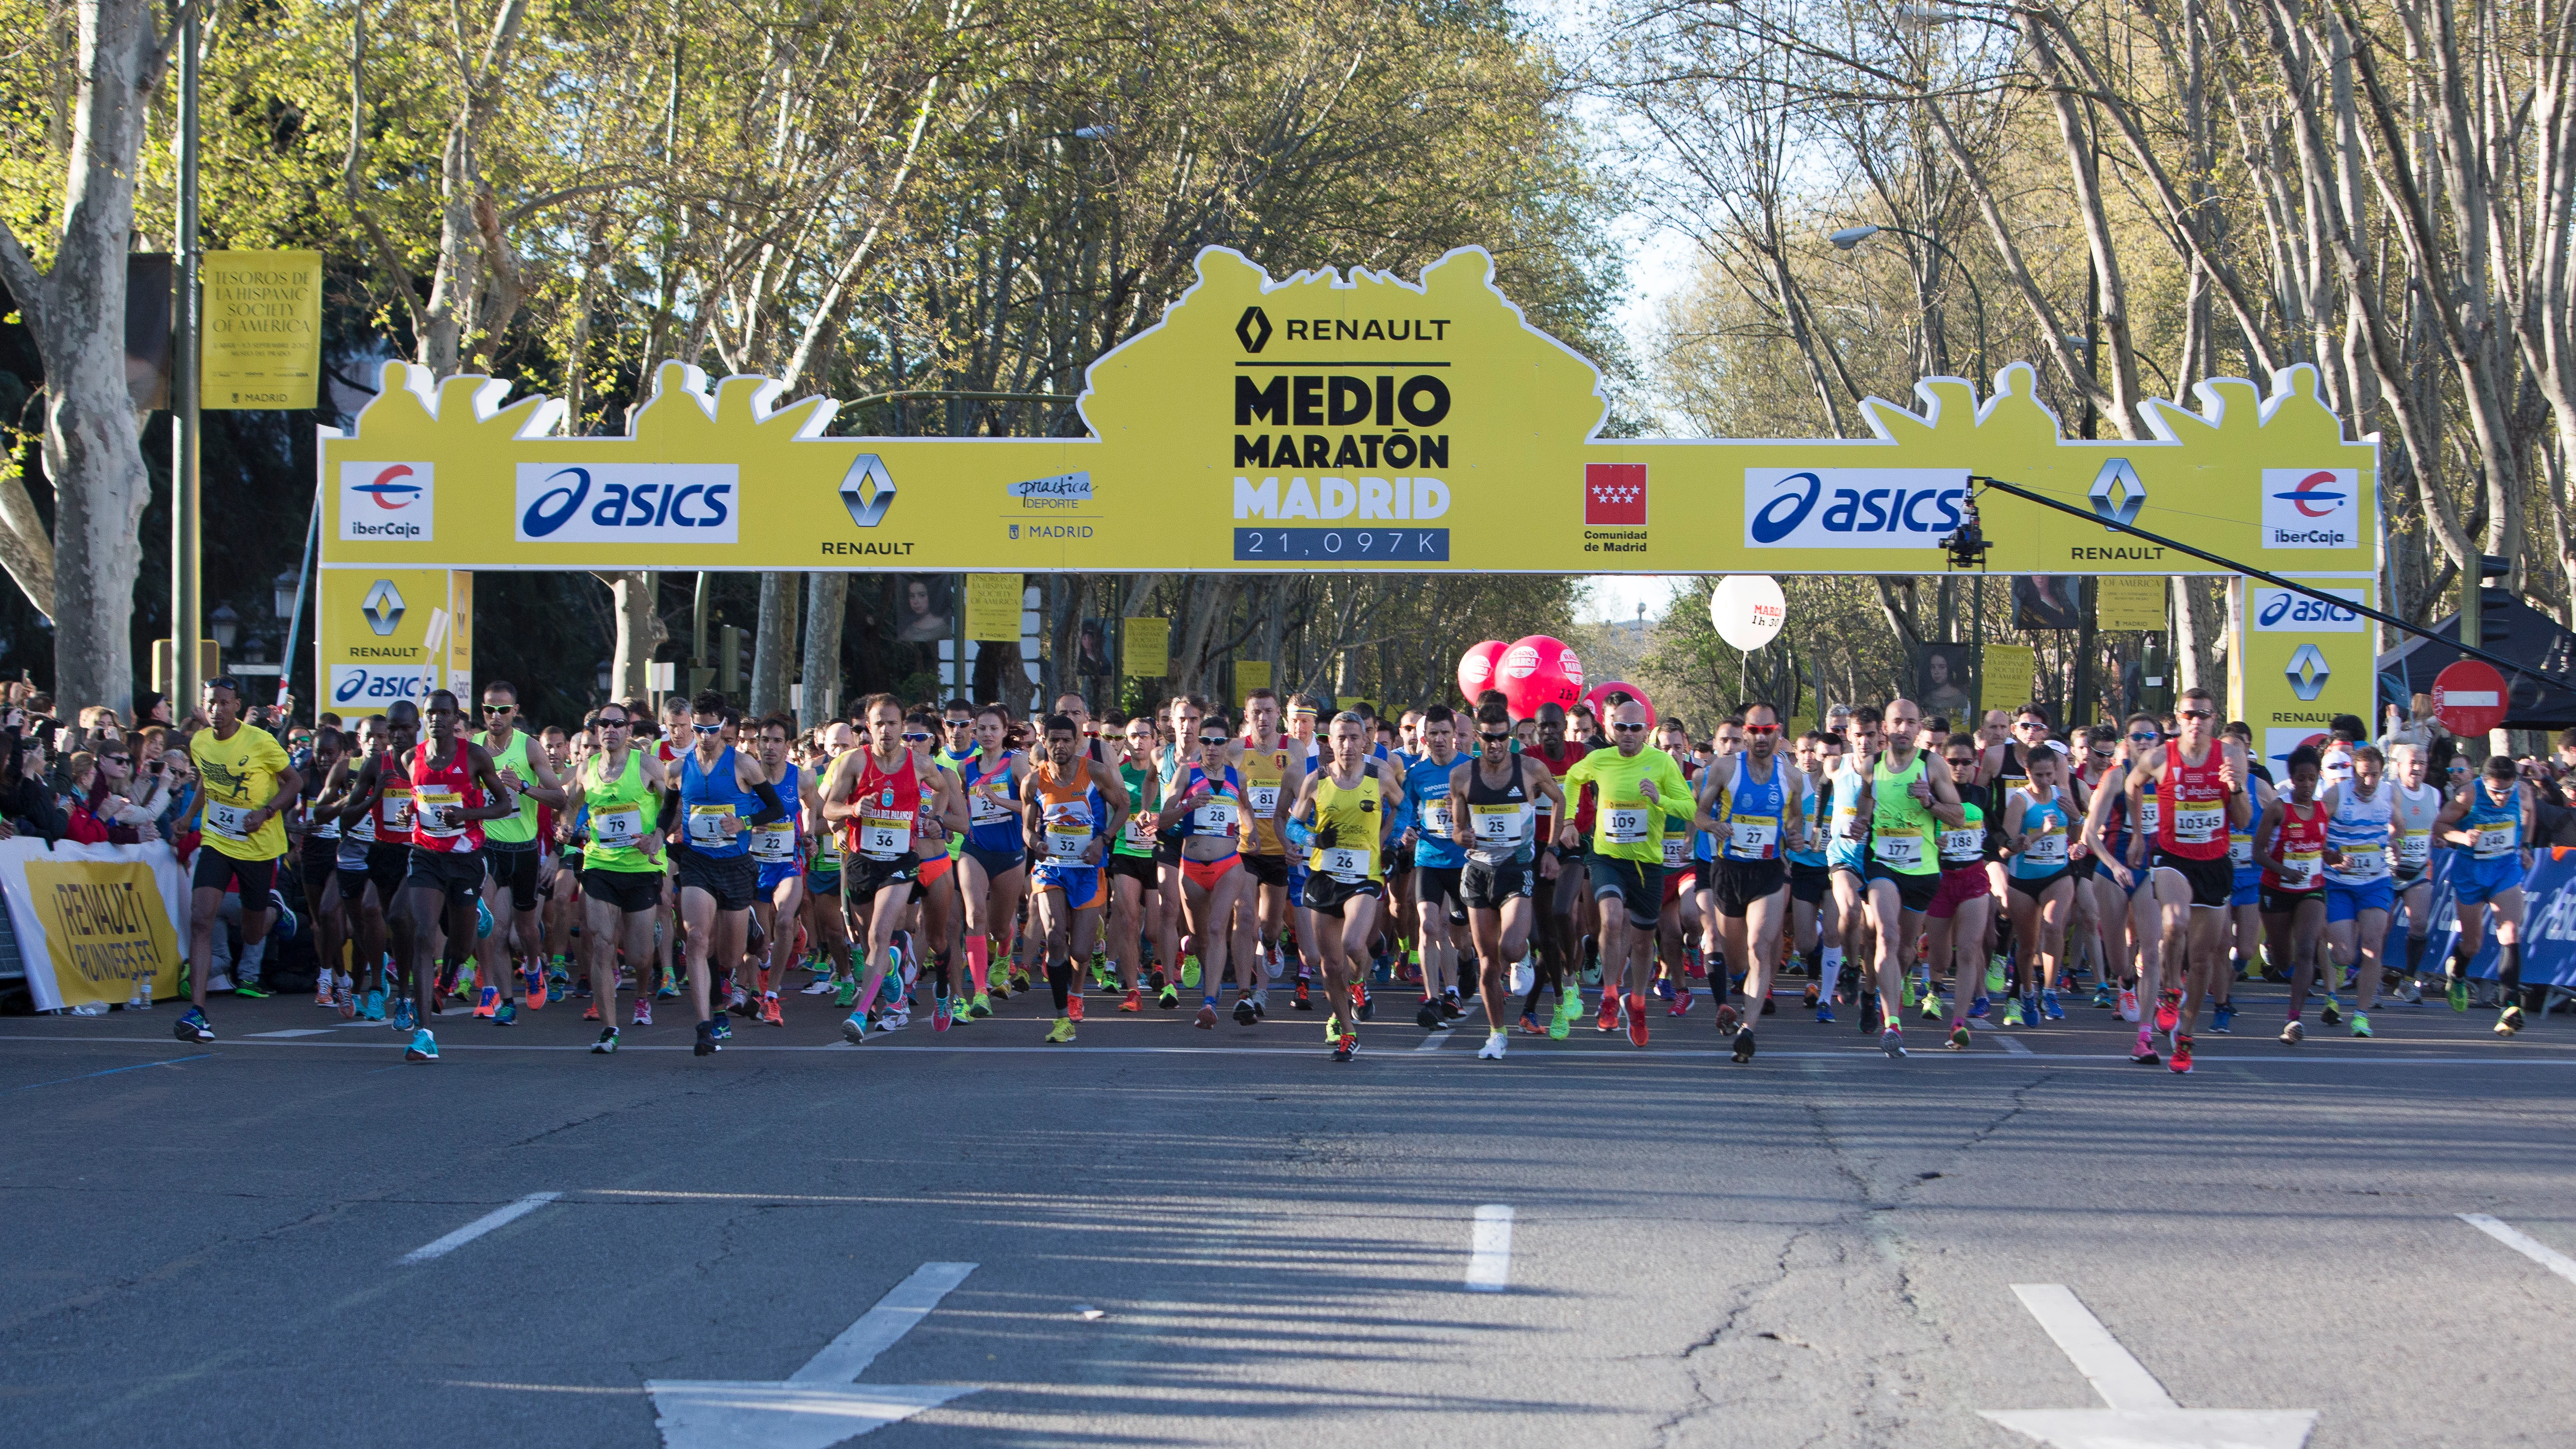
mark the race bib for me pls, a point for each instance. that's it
(1138, 832)
(1067, 842)
(1962, 846)
(884, 837)
(227, 821)
(1342, 862)
(2298, 867)
(2199, 824)
(774, 844)
(2047, 848)
(827, 854)
(2150, 814)
(985, 806)
(1752, 837)
(396, 806)
(618, 828)
(1435, 817)
(2365, 862)
(1847, 823)
(706, 825)
(1624, 824)
(2414, 849)
(2240, 850)
(432, 805)
(1216, 817)
(1900, 849)
(1676, 850)
(1264, 799)
(1497, 827)
(2493, 841)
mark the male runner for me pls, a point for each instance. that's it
(1273, 766)
(1633, 780)
(873, 795)
(1910, 796)
(1564, 896)
(2360, 888)
(454, 789)
(1751, 803)
(1438, 861)
(618, 793)
(246, 782)
(1847, 864)
(1075, 806)
(2414, 807)
(511, 845)
(778, 849)
(2489, 821)
(1348, 807)
(2199, 785)
(1493, 797)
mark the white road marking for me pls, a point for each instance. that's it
(1489, 1256)
(818, 1405)
(498, 1217)
(2141, 1414)
(1433, 1041)
(2523, 1243)
(845, 1358)
(2013, 1044)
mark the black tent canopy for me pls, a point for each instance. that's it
(2533, 639)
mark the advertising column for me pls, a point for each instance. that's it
(2300, 663)
(389, 634)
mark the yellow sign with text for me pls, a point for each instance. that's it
(2302, 661)
(389, 634)
(994, 603)
(1148, 647)
(1332, 422)
(105, 924)
(1249, 675)
(2009, 674)
(263, 329)
(2129, 605)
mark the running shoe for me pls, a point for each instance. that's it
(2459, 993)
(722, 1027)
(345, 997)
(1190, 972)
(999, 987)
(1769, 1006)
(2222, 1018)
(769, 1011)
(643, 1011)
(322, 992)
(2332, 1015)
(1530, 1026)
(374, 1010)
(855, 1029)
(2102, 999)
(1929, 1006)
(487, 1001)
(590, 1011)
(1428, 1018)
(1664, 987)
(1170, 1000)
(2049, 1007)
(708, 1043)
(1061, 1033)
(405, 1018)
(1363, 1003)
(2509, 1021)
(2168, 1010)
(846, 995)
(1073, 1005)
(2128, 1003)
(940, 1016)
(248, 989)
(820, 986)
(1135, 1000)
(1959, 1039)
(1728, 1017)
(1744, 1045)
(1206, 1019)
(606, 1046)
(1995, 982)
(2012, 1011)
(1245, 1015)
(1608, 1021)
(1892, 1042)
(2145, 1053)
(2361, 1023)
(193, 1026)
(670, 989)
(1824, 1011)
(1681, 1005)
(2181, 1063)
(1492, 1050)
(1568, 1007)
(2030, 1011)
(1808, 999)
(2293, 1034)
(423, 1048)
(2411, 993)
(1346, 1048)
(537, 994)
(559, 984)
(506, 1015)
(1304, 1001)
(1636, 1019)
(1981, 1009)
(982, 1007)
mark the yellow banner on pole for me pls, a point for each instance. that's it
(2129, 605)
(2304, 661)
(2011, 673)
(389, 634)
(1249, 675)
(993, 607)
(1149, 647)
(263, 330)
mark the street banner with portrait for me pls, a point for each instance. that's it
(90, 919)
(1941, 679)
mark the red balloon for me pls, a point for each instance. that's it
(1476, 669)
(1539, 670)
(1598, 691)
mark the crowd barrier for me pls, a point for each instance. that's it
(2549, 922)
(92, 919)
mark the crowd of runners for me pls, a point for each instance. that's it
(919, 857)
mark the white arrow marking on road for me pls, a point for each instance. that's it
(1489, 1258)
(2523, 1243)
(2141, 1414)
(817, 1405)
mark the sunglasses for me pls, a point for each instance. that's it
(612, 724)
(959, 724)
(705, 729)
(1762, 729)
(2195, 714)
(1629, 728)
(499, 708)
(916, 736)
(2028, 724)
(2148, 738)
(1498, 739)
(1212, 740)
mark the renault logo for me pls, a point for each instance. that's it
(1253, 329)
(867, 490)
(2308, 673)
(2116, 493)
(383, 607)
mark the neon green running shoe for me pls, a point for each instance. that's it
(1995, 976)
(2459, 993)
(2012, 1011)
(982, 1006)
(1332, 1028)
(1062, 1033)
(1930, 1006)
(846, 993)
(1561, 1025)
(1190, 972)
(2361, 1023)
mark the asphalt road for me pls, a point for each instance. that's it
(1819, 1248)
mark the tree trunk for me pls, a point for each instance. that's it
(639, 630)
(827, 599)
(775, 643)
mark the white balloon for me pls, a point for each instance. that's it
(1748, 610)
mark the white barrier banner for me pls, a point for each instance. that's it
(92, 918)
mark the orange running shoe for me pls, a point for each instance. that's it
(537, 997)
(590, 1012)
(1609, 1010)
(1636, 1019)
(769, 1009)
(1135, 1000)
(1073, 1005)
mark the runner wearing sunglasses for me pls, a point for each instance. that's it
(1498, 792)
(1752, 805)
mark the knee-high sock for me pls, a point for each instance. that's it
(2509, 966)
(939, 973)
(2415, 954)
(1060, 982)
(979, 961)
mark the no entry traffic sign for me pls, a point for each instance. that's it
(2468, 697)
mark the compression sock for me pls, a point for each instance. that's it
(1060, 982)
(979, 961)
(2509, 968)
(2415, 954)
(939, 973)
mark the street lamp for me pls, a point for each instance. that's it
(225, 624)
(607, 674)
(1852, 236)
(282, 591)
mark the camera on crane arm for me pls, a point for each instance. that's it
(1967, 546)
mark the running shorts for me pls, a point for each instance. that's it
(1638, 886)
(318, 865)
(2347, 902)
(1080, 883)
(1913, 892)
(2213, 881)
(1959, 885)
(2248, 893)
(386, 866)
(1269, 870)
(516, 869)
(1740, 883)
(2480, 881)
(2036, 886)
(1485, 887)
(1207, 875)
(2282, 903)
(996, 863)
(1435, 884)
(457, 877)
(630, 891)
(1810, 883)
(214, 870)
(732, 879)
(1327, 895)
(862, 877)
(822, 883)
(1138, 868)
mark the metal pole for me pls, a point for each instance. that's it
(2081, 711)
(295, 620)
(1977, 656)
(698, 625)
(957, 629)
(187, 601)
